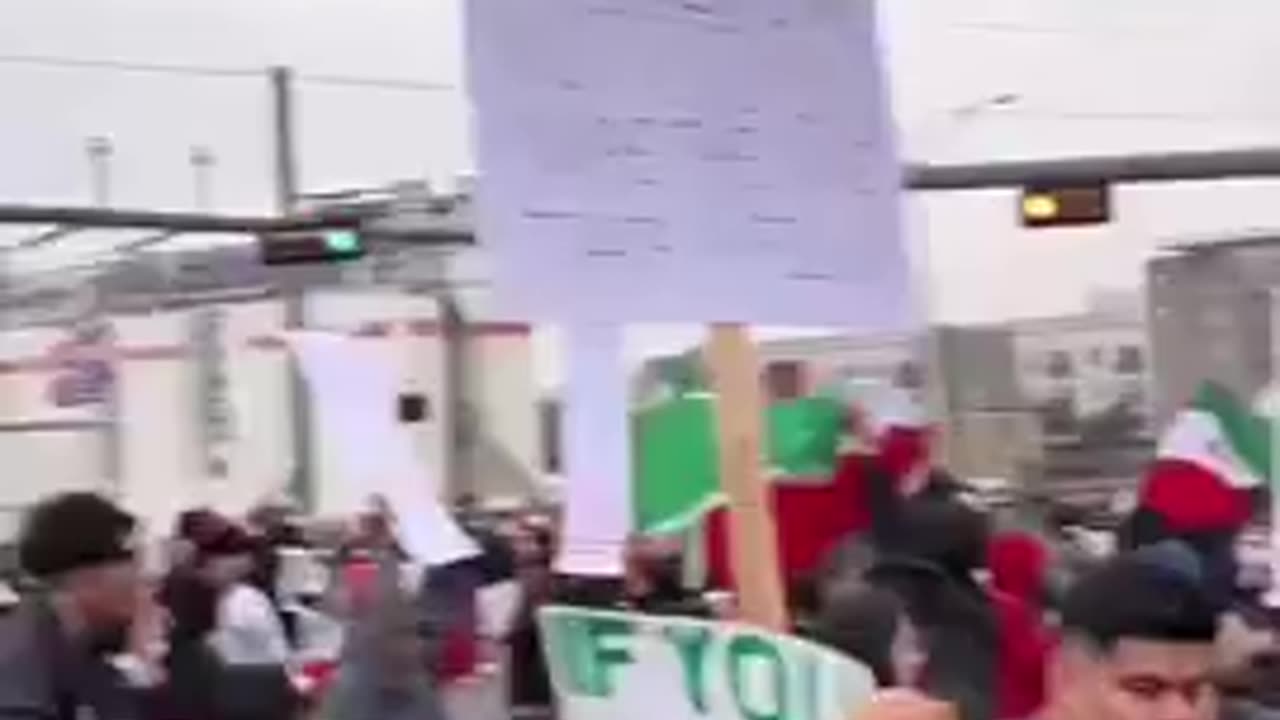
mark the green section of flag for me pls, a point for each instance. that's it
(804, 435)
(676, 464)
(1248, 434)
(677, 459)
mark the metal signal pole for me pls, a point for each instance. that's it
(301, 482)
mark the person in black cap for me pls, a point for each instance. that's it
(55, 649)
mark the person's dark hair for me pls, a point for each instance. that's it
(73, 531)
(948, 534)
(1154, 593)
(861, 621)
(804, 596)
(226, 540)
(192, 523)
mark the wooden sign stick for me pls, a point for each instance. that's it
(735, 376)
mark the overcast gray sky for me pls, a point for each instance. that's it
(1089, 76)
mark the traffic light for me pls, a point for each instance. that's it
(311, 246)
(1055, 205)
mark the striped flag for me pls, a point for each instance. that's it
(676, 478)
(1213, 453)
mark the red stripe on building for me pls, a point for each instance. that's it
(155, 352)
(430, 328)
(60, 361)
(266, 342)
(416, 328)
(59, 356)
(373, 330)
(425, 328)
(500, 328)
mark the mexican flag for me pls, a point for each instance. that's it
(676, 475)
(1215, 451)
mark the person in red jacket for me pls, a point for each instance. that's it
(1019, 564)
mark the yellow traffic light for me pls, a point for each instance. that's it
(1052, 205)
(1041, 207)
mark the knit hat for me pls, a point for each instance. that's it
(73, 531)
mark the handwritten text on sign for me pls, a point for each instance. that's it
(668, 161)
(622, 666)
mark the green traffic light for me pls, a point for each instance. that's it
(343, 242)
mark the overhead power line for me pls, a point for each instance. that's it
(1181, 117)
(59, 62)
(122, 66)
(1145, 28)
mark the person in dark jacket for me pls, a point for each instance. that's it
(1215, 549)
(192, 668)
(56, 648)
(930, 562)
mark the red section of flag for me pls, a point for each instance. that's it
(1191, 499)
(811, 520)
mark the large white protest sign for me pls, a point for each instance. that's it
(669, 161)
(623, 666)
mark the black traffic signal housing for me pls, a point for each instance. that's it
(299, 247)
(1065, 204)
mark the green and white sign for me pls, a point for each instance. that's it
(625, 666)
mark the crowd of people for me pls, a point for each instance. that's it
(261, 617)
(265, 617)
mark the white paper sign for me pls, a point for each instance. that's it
(597, 450)
(354, 389)
(623, 666)
(674, 161)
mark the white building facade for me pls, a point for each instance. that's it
(1083, 366)
(172, 386)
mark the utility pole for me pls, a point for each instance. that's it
(98, 150)
(301, 483)
(282, 127)
(460, 431)
(203, 162)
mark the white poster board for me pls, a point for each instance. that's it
(625, 666)
(597, 452)
(671, 161)
(353, 392)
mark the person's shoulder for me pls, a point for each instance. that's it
(21, 637)
(1246, 709)
(25, 658)
(904, 704)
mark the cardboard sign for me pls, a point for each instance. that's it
(625, 666)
